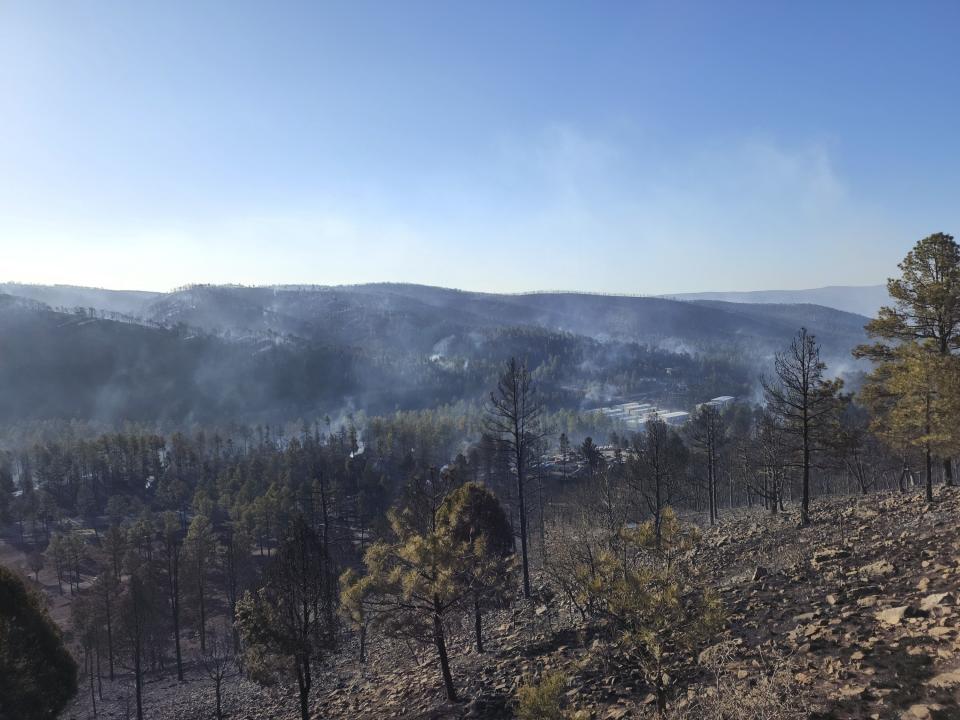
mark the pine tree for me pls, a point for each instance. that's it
(914, 394)
(925, 311)
(514, 416)
(291, 617)
(806, 403)
(419, 579)
(37, 674)
(201, 545)
(475, 520)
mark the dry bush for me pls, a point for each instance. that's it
(777, 556)
(768, 691)
(543, 700)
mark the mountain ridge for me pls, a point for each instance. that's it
(214, 352)
(859, 299)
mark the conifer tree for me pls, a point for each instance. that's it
(410, 587)
(473, 518)
(652, 599)
(289, 621)
(514, 416)
(925, 313)
(805, 402)
(914, 394)
(37, 674)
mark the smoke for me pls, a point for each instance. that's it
(273, 354)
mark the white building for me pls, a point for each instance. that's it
(635, 415)
(718, 402)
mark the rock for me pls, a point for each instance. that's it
(615, 713)
(877, 569)
(936, 600)
(828, 555)
(892, 616)
(945, 680)
(923, 712)
(852, 691)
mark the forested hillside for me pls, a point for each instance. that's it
(415, 318)
(209, 543)
(221, 354)
(343, 374)
(81, 366)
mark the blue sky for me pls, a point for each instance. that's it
(637, 147)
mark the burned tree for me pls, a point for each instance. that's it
(138, 614)
(658, 459)
(172, 539)
(806, 404)
(514, 415)
(707, 436)
(219, 664)
(770, 460)
(290, 619)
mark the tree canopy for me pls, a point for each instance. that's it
(38, 676)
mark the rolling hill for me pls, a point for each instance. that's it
(217, 353)
(862, 300)
(416, 318)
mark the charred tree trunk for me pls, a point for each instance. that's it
(304, 681)
(441, 643)
(478, 624)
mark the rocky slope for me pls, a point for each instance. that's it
(853, 617)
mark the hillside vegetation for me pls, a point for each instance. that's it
(225, 354)
(784, 555)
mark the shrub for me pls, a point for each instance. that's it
(655, 603)
(543, 700)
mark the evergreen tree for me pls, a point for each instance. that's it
(412, 585)
(475, 520)
(290, 621)
(37, 674)
(925, 311)
(914, 393)
(653, 600)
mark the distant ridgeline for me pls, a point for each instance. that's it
(205, 354)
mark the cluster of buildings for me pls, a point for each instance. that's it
(635, 415)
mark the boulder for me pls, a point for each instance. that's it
(829, 554)
(945, 680)
(892, 616)
(936, 600)
(877, 569)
